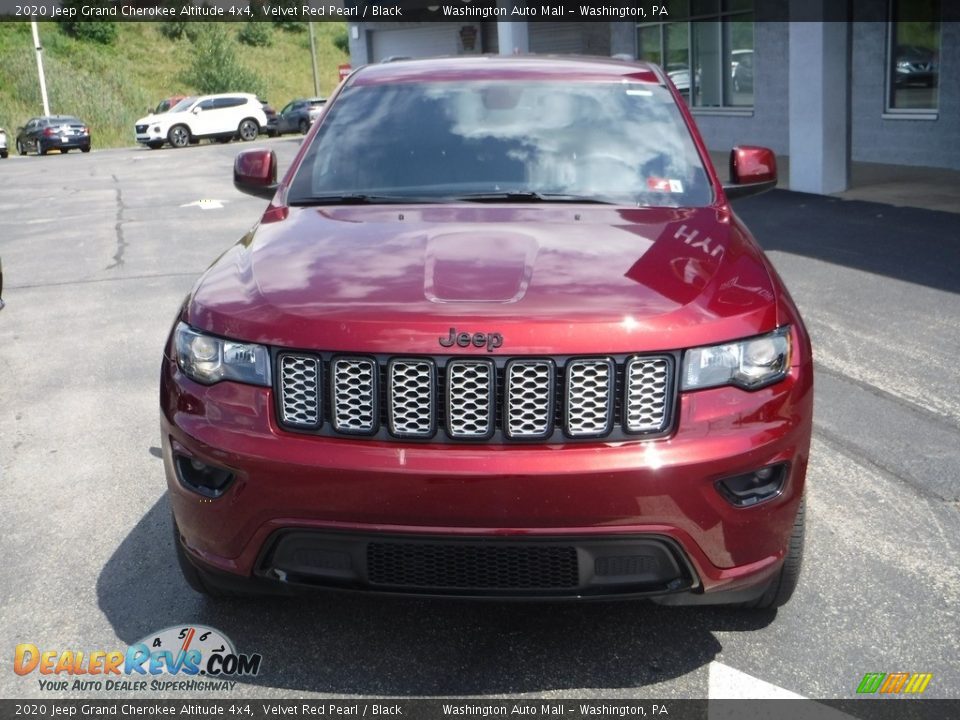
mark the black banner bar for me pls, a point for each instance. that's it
(397, 11)
(379, 709)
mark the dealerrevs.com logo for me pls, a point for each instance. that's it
(195, 656)
(894, 683)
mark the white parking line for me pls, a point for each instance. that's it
(205, 204)
(727, 683)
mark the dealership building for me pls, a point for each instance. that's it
(822, 83)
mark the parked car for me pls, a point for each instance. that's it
(298, 116)
(3, 144)
(53, 132)
(916, 66)
(497, 337)
(167, 103)
(222, 116)
(271, 127)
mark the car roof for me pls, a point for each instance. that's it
(225, 95)
(509, 67)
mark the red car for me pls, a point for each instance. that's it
(497, 334)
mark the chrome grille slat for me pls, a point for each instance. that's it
(529, 398)
(411, 397)
(470, 398)
(590, 384)
(300, 390)
(353, 393)
(646, 395)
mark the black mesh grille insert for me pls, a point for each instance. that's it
(473, 567)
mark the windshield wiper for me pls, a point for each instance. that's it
(366, 199)
(530, 196)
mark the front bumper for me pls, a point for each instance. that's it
(149, 136)
(657, 494)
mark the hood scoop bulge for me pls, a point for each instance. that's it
(484, 267)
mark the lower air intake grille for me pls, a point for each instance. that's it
(472, 567)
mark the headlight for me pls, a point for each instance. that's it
(749, 364)
(209, 359)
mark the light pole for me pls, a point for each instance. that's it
(313, 58)
(43, 81)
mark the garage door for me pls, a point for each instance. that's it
(556, 37)
(437, 39)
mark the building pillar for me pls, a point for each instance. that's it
(513, 38)
(623, 39)
(819, 104)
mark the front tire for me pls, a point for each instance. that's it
(781, 588)
(3, 154)
(21, 150)
(248, 130)
(41, 150)
(85, 149)
(179, 136)
(154, 145)
(304, 127)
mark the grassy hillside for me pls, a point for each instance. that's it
(109, 87)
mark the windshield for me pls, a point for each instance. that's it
(617, 142)
(183, 104)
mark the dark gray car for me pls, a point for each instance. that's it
(298, 116)
(53, 132)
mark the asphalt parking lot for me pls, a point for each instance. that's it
(98, 252)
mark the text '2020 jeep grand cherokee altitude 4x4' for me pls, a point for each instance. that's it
(497, 334)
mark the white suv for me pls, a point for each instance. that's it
(222, 117)
(3, 143)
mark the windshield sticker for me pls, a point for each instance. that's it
(664, 185)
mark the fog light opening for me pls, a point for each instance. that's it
(754, 487)
(195, 474)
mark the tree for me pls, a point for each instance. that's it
(255, 34)
(215, 67)
(99, 31)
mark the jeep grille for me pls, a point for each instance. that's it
(476, 399)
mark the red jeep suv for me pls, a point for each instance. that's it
(497, 334)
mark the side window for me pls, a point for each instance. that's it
(707, 50)
(207, 105)
(230, 102)
(913, 57)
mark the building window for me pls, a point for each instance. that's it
(913, 56)
(706, 49)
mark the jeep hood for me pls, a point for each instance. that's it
(551, 279)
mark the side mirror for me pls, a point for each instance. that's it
(753, 170)
(196, 110)
(255, 173)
